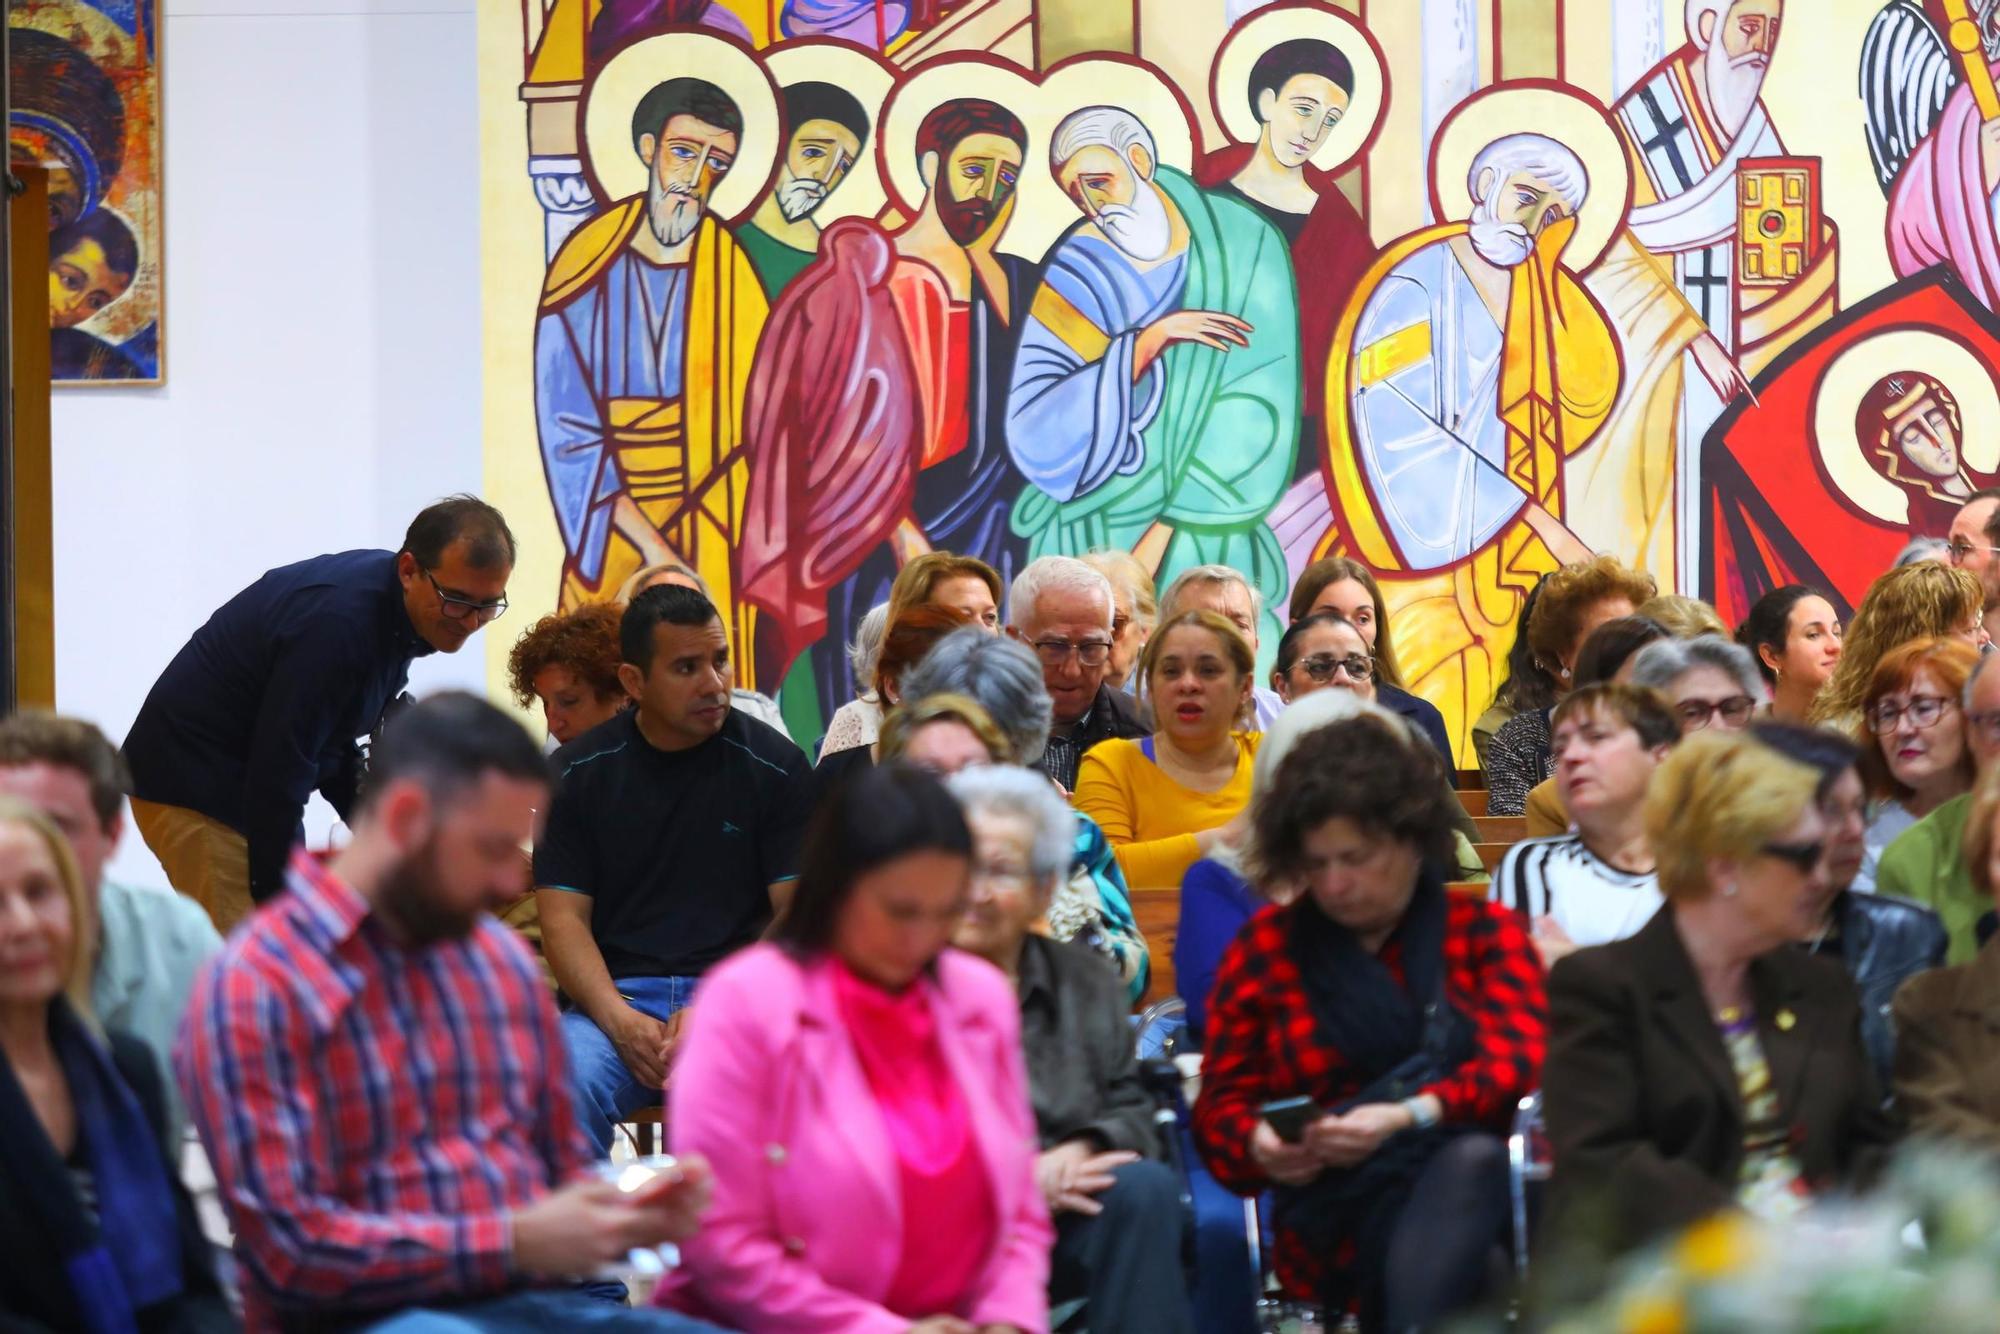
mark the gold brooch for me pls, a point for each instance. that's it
(1785, 1021)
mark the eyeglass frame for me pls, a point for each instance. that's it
(1871, 716)
(1745, 704)
(1343, 664)
(488, 611)
(1057, 652)
(1801, 857)
(1958, 551)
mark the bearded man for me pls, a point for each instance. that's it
(649, 313)
(829, 126)
(1155, 397)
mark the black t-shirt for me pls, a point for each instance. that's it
(677, 849)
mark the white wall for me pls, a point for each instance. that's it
(321, 335)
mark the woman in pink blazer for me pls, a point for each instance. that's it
(860, 1092)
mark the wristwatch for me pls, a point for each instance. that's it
(1421, 1115)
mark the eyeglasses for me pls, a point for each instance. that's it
(462, 609)
(1988, 726)
(1923, 711)
(1696, 714)
(1055, 652)
(1961, 550)
(1002, 877)
(1802, 856)
(1119, 621)
(1321, 667)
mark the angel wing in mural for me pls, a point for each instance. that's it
(1906, 74)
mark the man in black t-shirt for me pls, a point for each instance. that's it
(672, 840)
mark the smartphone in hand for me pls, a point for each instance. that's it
(1290, 1117)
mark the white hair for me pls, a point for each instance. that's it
(1109, 127)
(1322, 708)
(1539, 156)
(1664, 661)
(866, 649)
(1170, 601)
(1056, 574)
(1028, 796)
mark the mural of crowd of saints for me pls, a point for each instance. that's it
(833, 283)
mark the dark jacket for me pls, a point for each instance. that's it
(1948, 1052)
(35, 1295)
(263, 705)
(1112, 714)
(1076, 1033)
(1641, 1101)
(1883, 942)
(1421, 712)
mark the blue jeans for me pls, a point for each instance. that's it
(537, 1312)
(607, 1092)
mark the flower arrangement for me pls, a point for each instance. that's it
(1920, 1253)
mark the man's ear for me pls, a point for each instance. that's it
(1142, 161)
(632, 679)
(1267, 104)
(1705, 28)
(647, 144)
(114, 829)
(1482, 189)
(927, 169)
(404, 810)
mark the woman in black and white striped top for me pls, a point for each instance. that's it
(1596, 883)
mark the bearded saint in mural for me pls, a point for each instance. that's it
(1468, 372)
(874, 428)
(1692, 326)
(642, 353)
(1155, 398)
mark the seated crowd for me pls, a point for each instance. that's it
(1712, 905)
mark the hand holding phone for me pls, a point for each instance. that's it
(1290, 1117)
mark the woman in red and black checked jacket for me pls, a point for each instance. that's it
(1414, 1021)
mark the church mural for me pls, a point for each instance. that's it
(1463, 289)
(84, 84)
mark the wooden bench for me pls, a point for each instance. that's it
(1158, 912)
(645, 1127)
(1470, 778)
(1474, 800)
(1501, 828)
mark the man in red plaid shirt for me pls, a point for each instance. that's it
(375, 1068)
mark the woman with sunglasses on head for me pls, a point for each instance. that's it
(1707, 1063)
(1915, 752)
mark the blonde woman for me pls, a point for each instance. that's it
(1922, 601)
(1707, 1063)
(97, 1230)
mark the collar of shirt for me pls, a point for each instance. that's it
(324, 905)
(1037, 980)
(396, 618)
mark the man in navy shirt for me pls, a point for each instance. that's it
(265, 703)
(672, 838)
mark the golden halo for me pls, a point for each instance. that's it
(1250, 39)
(608, 103)
(1854, 372)
(863, 74)
(1535, 107)
(1042, 213)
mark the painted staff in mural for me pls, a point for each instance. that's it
(1155, 397)
(649, 316)
(827, 128)
(874, 426)
(1467, 374)
(1692, 320)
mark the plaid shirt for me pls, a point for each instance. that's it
(373, 1113)
(1263, 1044)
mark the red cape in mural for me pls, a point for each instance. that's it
(1773, 511)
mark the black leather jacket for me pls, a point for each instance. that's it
(1882, 942)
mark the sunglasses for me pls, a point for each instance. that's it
(1802, 856)
(1321, 667)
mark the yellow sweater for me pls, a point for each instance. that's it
(1150, 819)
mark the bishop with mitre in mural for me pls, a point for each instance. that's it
(1467, 373)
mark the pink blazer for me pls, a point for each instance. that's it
(807, 1223)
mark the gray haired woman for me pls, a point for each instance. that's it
(859, 721)
(1005, 677)
(1708, 681)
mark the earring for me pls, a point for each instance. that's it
(1729, 890)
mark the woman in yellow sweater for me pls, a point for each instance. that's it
(1167, 800)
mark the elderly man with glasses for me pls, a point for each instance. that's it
(1973, 544)
(263, 705)
(1062, 608)
(1926, 862)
